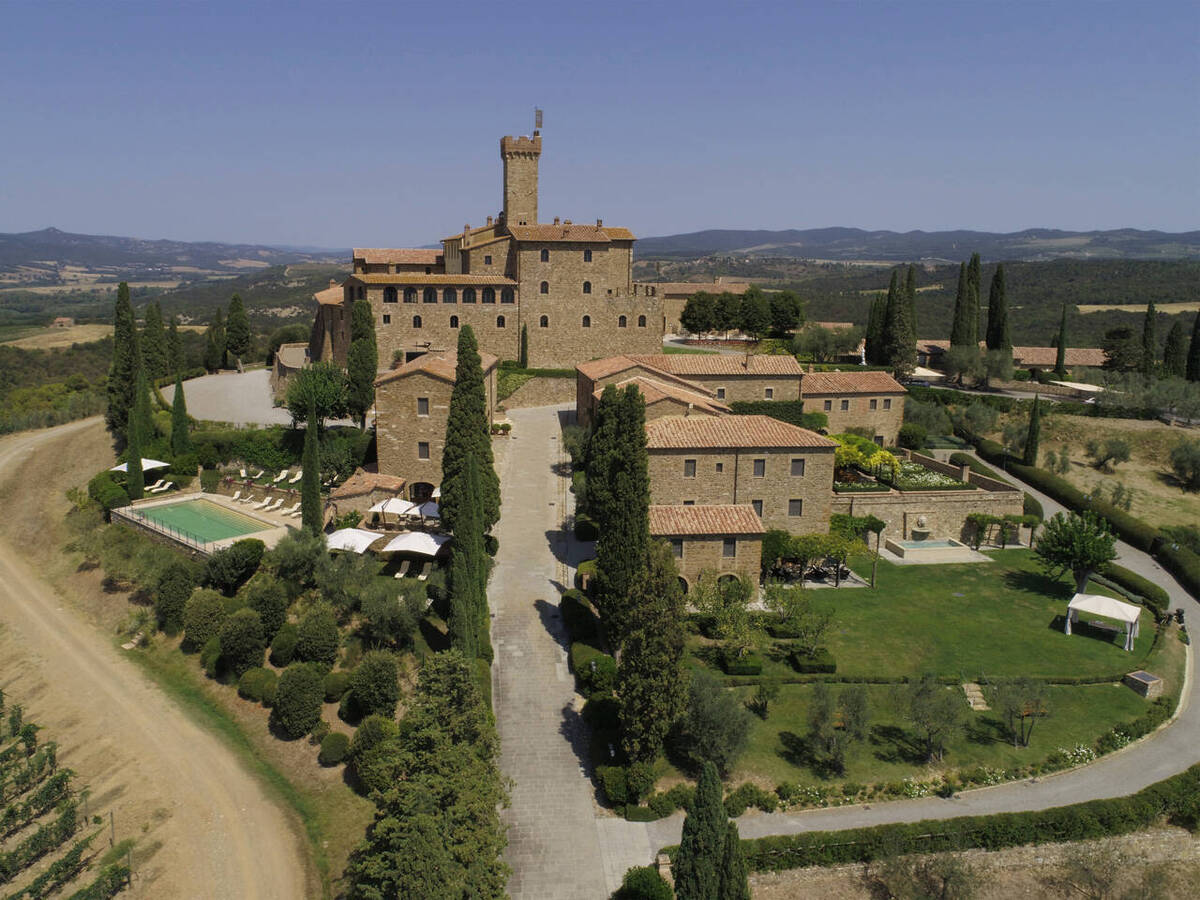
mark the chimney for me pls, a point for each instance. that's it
(556, 220)
(333, 282)
(489, 220)
(599, 223)
(566, 221)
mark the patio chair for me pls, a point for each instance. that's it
(299, 474)
(282, 475)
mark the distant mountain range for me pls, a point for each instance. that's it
(43, 258)
(949, 246)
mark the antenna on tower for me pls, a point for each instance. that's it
(537, 119)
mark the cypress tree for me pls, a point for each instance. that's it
(237, 331)
(1060, 358)
(1032, 437)
(735, 876)
(468, 434)
(220, 339)
(311, 511)
(876, 323)
(910, 297)
(362, 361)
(1149, 340)
(899, 342)
(960, 331)
(180, 441)
(137, 433)
(467, 585)
(997, 327)
(974, 289)
(1175, 352)
(523, 357)
(174, 346)
(123, 371)
(1192, 369)
(697, 866)
(154, 344)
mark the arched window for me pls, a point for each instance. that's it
(389, 294)
(428, 270)
(508, 296)
(468, 295)
(587, 287)
(545, 288)
(587, 321)
(454, 321)
(449, 295)
(410, 295)
(622, 321)
(499, 321)
(641, 321)
(544, 322)
(545, 256)
(489, 295)
(587, 255)
(361, 293)
(416, 321)
(430, 295)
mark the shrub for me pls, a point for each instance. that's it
(259, 685)
(585, 528)
(210, 657)
(821, 662)
(912, 436)
(210, 480)
(747, 795)
(602, 712)
(171, 593)
(639, 780)
(1183, 564)
(228, 569)
(375, 685)
(107, 494)
(203, 616)
(283, 645)
(635, 813)
(317, 637)
(715, 726)
(336, 685)
(294, 560)
(333, 748)
(614, 784)
(265, 594)
(644, 883)
(585, 574)
(1031, 506)
(735, 663)
(372, 731)
(242, 641)
(577, 615)
(595, 671)
(298, 699)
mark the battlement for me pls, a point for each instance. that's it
(521, 155)
(511, 145)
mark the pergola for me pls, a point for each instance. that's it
(1109, 607)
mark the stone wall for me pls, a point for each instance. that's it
(727, 476)
(731, 388)
(542, 392)
(706, 554)
(496, 325)
(886, 418)
(945, 512)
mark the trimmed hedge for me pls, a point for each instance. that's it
(577, 616)
(1177, 798)
(258, 685)
(821, 662)
(1157, 599)
(334, 747)
(747, 664)
(790, 411)
(283, 645)
(596, 671)
(1183, 564)
(336, 685)
(105, 491)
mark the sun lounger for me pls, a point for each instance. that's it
(156, 484)
(166, 486)
(282, 475)
(291, 510)
(296, 477)
(419, 571)
(275, 508)
(405, 565)
(249, 498)
(266, 502)
(237, 495)
(297, 514)
(259, 474)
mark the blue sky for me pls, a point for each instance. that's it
(377, 124)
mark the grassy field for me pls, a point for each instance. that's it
(1185, 306)
(52, 338)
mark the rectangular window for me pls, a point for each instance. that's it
(387, 319)
(720, 393)
(798, 467)
(729, 548)
(757, 504)
(845, 405)
(720, 468)
(689, 502)
(487, 260)
(887, 404)
(760, 468)
(770, 393)
(795, 507)
(587, 255)
(422, 406)
(874, 403)
(677, 548)
(828, 406)
(689, 468)
(423, 450)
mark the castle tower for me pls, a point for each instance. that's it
(520, 155)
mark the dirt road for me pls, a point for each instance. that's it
(166, 778)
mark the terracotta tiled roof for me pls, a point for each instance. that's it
(726, 432)
(653, 390)
(691, 287)
(415, 278)
(439, 365)
(414, 257)
(364, 482)
(591, 234)
(817, 383)
(678, 521)
(613, 365)
(685, 364)
(331, 296)
(1043, 357)
(619, 234)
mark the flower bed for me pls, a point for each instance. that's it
(915, 477)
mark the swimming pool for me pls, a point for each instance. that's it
(199, 520)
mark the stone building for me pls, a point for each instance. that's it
(570, 286)
(725, 539)
(330, 336)
(289, 359)
(857, 399)
(675, 295)
(364, 489)
(412, 403)
(784, 473)
(666, 399)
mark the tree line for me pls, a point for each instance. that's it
(755, 312)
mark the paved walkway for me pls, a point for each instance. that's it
(238, 398)
(560, 845)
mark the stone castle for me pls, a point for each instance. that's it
(568, 286)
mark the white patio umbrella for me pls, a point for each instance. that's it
(429, 510)
(419, 542)
(395, 506)
(146, 465)
(437, 492)
(355, 539)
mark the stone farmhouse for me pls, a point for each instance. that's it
(857, 399)
(725, 539)
(568, 285)
(412, 404)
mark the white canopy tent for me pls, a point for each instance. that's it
(357, 540)
(394, 506)
(1109, 607)
(147, 464)
(418, 542)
